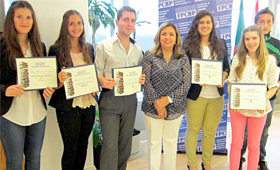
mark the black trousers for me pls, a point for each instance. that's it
(75, 127)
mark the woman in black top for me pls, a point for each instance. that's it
(75, 116)
(205, 102)
(23, 113)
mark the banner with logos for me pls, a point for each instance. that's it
(181, 13)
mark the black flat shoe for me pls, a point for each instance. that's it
(263, 165)
(202, 166)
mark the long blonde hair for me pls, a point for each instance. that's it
(157, 50)
(261, 53)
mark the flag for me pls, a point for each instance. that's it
(240, 27)
(255, 12)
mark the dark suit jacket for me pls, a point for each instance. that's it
(195, 89)
(58, 99)
(9, 77)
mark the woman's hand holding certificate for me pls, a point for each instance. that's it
(14, 91)
(62, 77)
(142, 79)
(48, 92)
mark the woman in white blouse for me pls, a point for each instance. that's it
(252, 64)
(75, 116)
(23, 120)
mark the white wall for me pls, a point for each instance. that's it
(273, 7)
(49, 15)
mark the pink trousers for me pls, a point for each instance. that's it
(255, 128)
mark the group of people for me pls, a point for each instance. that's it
(168, 91)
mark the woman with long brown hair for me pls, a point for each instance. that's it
(23, 113)
(75, 116)
(205, 103)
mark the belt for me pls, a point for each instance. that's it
(106, 90)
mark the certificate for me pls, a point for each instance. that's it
(248, 96)
(207, 71)
(80, 80)
(127, 80)
(35, 73)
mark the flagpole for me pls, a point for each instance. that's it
(240, 27)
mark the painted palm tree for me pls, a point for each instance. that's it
(100, 12)
(138, 23)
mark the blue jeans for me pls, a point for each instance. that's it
(264, 136)
(22, 140)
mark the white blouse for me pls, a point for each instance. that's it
(249, 76)
(209, 91)
(27, 109)
(82, 101)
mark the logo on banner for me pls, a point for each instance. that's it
(185, 14)
(224, 7)
(216, 21)
(226, 36)
(199, 148)
(181, 139)
(166, 3)
(217, 24)
(221, 133)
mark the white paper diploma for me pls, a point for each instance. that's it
(127, 80)
(35, 73)
(80, 80)
(208, 72)
(248, 96)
